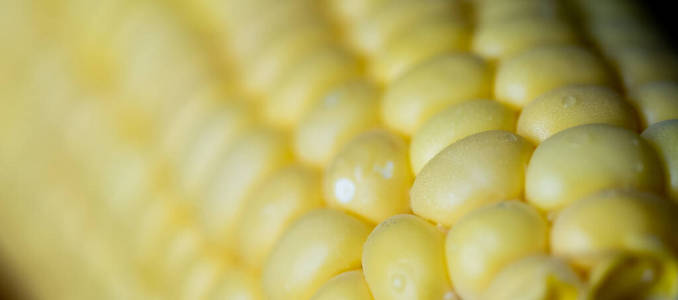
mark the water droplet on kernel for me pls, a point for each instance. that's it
(450, 295)
(648, 275)
(386, 171)
(398, 282)
(640, 167)
(569, 101)
(344, 189)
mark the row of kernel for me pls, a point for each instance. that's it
(646, 63)
(647, 66)
(360, 179)
(55, 171)
(121, 188)
(254, 174)
(624, 120)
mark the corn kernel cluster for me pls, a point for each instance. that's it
(338, 149)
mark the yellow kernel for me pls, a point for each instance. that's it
(182, 123)
(571, 106)
(455, 123)
(349, 12)
(639, 65)
(655, 101)
(663, 136)
(184, 247)
(423, 40)
(583, 160)
(478, 170)
(253, 156)
(277, 202)
(305, 83)
(404, 258)
(342, 114)
(212, 140)
(281, 53)
(610, 9)
(536, 277)
(488, 239)
(389, 18)
(431, 86)
(318, 246)
(523, 77)
(201, 279)
(626, 275)
(265, 21)
(237, 284)
(370, 177)
(611, 34)
(488, 11)
(347, 285)
(614, 220)
(503, 39)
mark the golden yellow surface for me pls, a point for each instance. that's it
(486, 240)
(404, 258)
(481, 169)
(337, 149)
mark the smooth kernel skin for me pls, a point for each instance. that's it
(251, 28)
(455, 123)
(611, 34)
(486, 240)
(256, 154)
(211, 141)
(614, 220)
(663, 137)
(425, 39)
(503, 39)
(342, 114)
(250, 31)
(571, 106)
(237, 284)
(498, 11)
(185, 246)
(201, 279)
(280, 54)
(403, 258)
(430, 87)
(318, 246)
(628, 275)
(184, 122)
(389, 18)
(586, 159)
(370, 177)
(655, 101)
(350, 12)
(525, 76)
(478, 170)
(536, 278)
(638, 65)
(345, 286)
(305, 83)
(277, 202)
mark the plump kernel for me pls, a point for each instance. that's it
(571, 106)
(586, 159)
(430, 87)
(478, 170)
(488, 239)
(404, 258)
(457, 122)
(370, 177)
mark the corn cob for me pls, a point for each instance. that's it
(338, 149)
